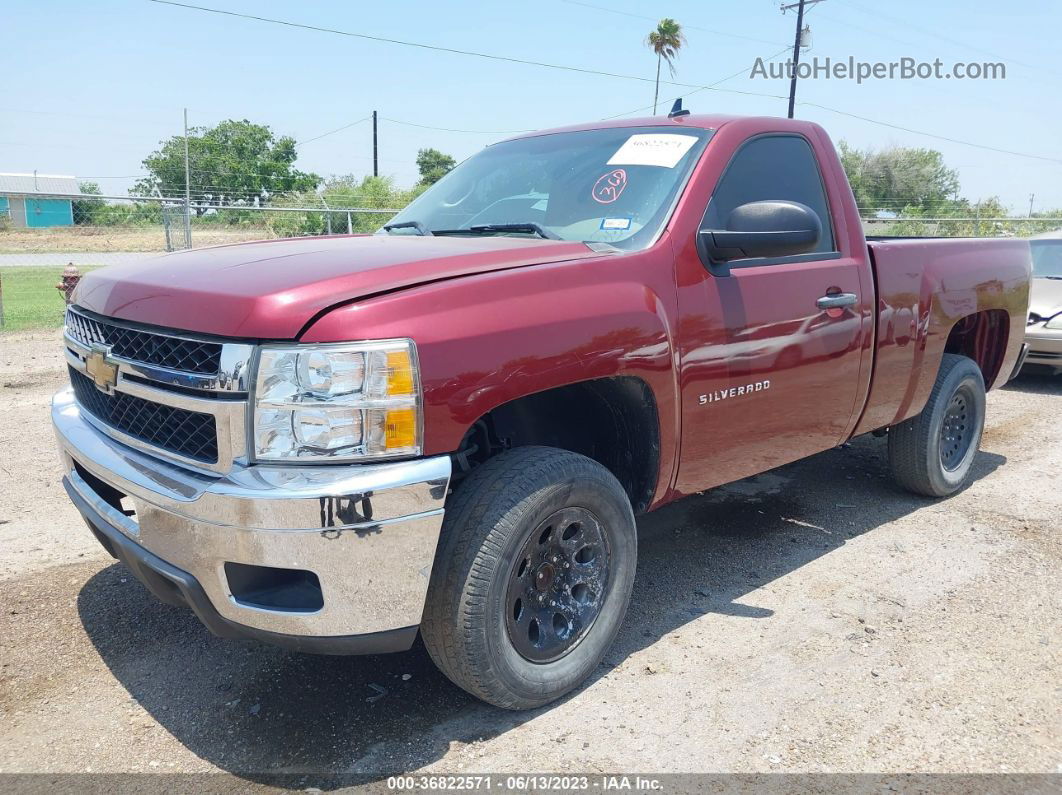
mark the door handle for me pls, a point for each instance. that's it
(837, 301)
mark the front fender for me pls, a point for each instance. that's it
(489, 339)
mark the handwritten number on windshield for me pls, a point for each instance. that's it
(609, 187)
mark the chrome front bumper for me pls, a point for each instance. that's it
(366, 532)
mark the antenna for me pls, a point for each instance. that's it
(676, 110)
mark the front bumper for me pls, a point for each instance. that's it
(359, 540)
(1045, 347)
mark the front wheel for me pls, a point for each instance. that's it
(532, 577)
(932, 453)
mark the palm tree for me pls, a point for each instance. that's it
(665, 41)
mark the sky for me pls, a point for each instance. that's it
(91, 88)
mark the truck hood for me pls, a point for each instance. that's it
(271, 289)
(1046, 298)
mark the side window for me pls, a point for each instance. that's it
(771, 168)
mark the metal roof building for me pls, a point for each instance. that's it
(29, 200)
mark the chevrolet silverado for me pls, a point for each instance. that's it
(448, 427)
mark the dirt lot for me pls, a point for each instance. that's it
(814, 618)
(106, 239)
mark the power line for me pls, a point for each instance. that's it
(876, 33)
(331, 132)
(932, 135)
(866, 119)
(451, 129)
(588, 71)
(654, 19)
(451, 50)
(138, 137)
(710, 86)
(120, 176)
(111, 117)
(906, 23)
(419, 45)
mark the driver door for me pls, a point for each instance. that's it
(770, 371)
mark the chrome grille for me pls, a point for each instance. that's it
(174, 394)
(186, 433)
(160, 350)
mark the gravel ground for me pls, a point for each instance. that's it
(811, 619)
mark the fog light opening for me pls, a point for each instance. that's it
(269, 588)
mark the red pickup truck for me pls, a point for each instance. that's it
(449, 427)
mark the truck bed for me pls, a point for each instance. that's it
(924, 286)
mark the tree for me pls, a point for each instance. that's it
(899, 179)
(433, 165)
(955, 218)
(339, 194)
(665, 41)
(86, 210)
(233, 162)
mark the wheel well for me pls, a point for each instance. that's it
(611, 420)
(983, 337)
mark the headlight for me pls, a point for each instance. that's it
(340, 402)
(1055, 322)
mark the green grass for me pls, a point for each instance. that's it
(29, 298)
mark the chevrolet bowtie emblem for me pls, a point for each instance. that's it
(104, 374)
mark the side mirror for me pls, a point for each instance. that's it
(760, 229)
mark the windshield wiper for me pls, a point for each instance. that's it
(421, 229)
(528, 227)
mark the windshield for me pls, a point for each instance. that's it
(1047, 258)
(613, 186)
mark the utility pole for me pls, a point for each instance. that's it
(796, 47)
(1032, 201)
(375, 148)
(187, 188)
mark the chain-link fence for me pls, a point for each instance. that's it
(963, 226)
(41, 235)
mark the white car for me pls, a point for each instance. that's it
(1044, 332)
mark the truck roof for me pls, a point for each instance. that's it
(703, 121)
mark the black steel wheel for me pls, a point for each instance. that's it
(557, 585)
(933, 452)
(956, 430)
(532, 576)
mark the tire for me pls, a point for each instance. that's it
(482, 580)
(932, 453)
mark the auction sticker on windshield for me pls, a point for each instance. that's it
(652, 149)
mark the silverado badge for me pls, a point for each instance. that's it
(104, 374)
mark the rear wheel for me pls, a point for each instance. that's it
(933, 452)
(532, 577)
